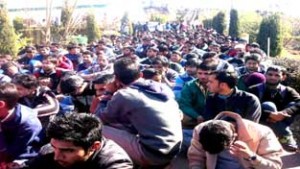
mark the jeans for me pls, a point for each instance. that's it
(281, 128)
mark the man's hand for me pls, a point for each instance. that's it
(277, 116)
(241, 149)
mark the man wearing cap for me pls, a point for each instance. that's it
(229, 141)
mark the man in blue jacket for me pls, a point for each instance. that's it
(20, 127)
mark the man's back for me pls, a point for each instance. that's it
(148, 109)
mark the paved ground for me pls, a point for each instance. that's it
(291, 160)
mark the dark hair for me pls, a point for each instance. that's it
(79, 128)
(161, 60)
(9, 94)
(69, 83)
(25, 80)
(224, 76)
(126, 70)
(7, 65)
(193, 62)
(254, 56)
(208, 55)
(207, 66)
(275, 68)
(149, 73)
(104, 79)
(215, 136)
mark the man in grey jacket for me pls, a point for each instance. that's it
(142, 117)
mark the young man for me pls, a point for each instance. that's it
(20, 127)
(252, 64)
(148, 117)
(226, 97)
(235, 143)
(279, 106)
(41, 99)
(77, 142)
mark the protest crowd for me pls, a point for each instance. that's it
(144, 101)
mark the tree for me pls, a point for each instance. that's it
(92, 28)
(8, 36)
(271, 27)
(19, 24)
(207, 23)
(249, 24)
(234, 23)
(219, 23)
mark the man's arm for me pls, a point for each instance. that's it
(253, 111)
(196, 154)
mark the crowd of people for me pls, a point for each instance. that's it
(144, 101)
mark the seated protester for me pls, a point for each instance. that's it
(11, 69)
(87, 61)
(48, 70)
(25, 59)
(41, 99)
(252, 64)
(150, 134)
(73, 55)
(81, 92)
(229, 141)
(212, 57)
(20, 127)
(226, 97)
(190, 74)
(278, 106)
(63, 63)
(129, 51)
(177, 58)
(248, 80)
(161, 64)
(101, 67)
(152, 74)
(77, 142)
(105, 87)
(238, 60)
(152, 53)
(107, 51)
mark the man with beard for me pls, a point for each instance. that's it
(279, 105)
(190, 74)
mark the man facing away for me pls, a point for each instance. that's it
(148, 116)
(78, 143)
(229, 141)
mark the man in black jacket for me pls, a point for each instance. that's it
(77, 143)
(226, 97)
(280, 104)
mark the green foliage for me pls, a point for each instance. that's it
(249, 24)
(66, 14)
(270, 27)
(79, 39)
(92, 28)
(22, 41)
(8, 36)
(234, 23)
(161, 18)
(18, 24)
(219, 23)
(207, 23)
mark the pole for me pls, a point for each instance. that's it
(268, 47)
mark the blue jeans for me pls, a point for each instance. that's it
(281, 128)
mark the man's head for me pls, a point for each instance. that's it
(102, 82)
(126, 71)
(161, 64)
(210, 57)
(10, 69)
(71, 84)
(252, 62)
(274, 75)
(8, 96)
(74, 138)
(87, 57)
(191, 66)
(102, 59)
(26, 84)
(152, 52)
(216, 136)
(49, 64)
(221, 81)
(203, 71)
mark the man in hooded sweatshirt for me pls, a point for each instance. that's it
(142, 117)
